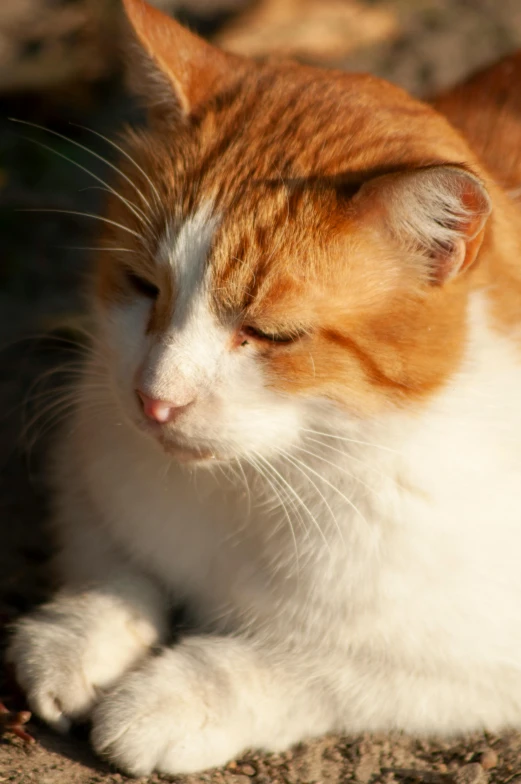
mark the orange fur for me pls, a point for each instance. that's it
(487, 110)
(300, 165)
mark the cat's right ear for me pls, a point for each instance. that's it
(173, 70)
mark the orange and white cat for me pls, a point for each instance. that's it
(301, 419)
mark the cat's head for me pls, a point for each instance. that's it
(293, 242)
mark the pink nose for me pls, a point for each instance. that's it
(161, 411)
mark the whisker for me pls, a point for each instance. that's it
(66, 399)
(100, 247)
(53, 420)
(140, 215)
(89, 392)
(349, 440)
(349, 456)
(289, 458)
(254, 462)
(127, 155)
(281, 480)
(91, 152)
(84, 215)
(326, 481)
(245, 481)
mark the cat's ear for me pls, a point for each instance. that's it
(438, 212)
(172, 69)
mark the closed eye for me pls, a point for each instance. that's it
(254, 333)
(141, 285)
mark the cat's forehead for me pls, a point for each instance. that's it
(242, 257)
(289, 122)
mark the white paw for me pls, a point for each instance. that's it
(164, 717)
(66, 654)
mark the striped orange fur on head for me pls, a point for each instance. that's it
(349, 216)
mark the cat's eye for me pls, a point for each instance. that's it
(142, 285)
(254, 333)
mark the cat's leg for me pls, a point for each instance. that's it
(70, 650)
(202, 703)
(206, 700)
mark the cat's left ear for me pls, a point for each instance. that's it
(438, 213)
(173, 70)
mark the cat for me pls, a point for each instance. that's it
(299, 418)
(486, 109)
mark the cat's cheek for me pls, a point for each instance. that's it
(263, 423)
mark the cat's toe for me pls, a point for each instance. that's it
(46, 658)
(155, 723)
(130, 733)
(66, 655)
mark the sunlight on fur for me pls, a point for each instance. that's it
(298, 417)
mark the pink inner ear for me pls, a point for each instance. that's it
(448, 261)
(476, 203)
(469, 230)
(439, 210)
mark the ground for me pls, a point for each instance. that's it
(436, 42)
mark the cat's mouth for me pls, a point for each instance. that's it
(182, 450)
(187, 454)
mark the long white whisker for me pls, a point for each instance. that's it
(349, 440)
(84, 215)
(306, 508)
(289, 458)
(298, 499)
(254, 462)
(54, 419)
(140, 215)
(126, 154)
(326, 481)
(100, 247)
(349, 456)
(91, 152)
(247, 486)
(66, 399)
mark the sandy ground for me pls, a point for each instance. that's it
(439, 42)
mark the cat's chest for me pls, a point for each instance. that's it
(211, 538)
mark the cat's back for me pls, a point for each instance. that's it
(487, 110)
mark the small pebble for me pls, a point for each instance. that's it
(488, 759)
(249, 770)
(472, 773)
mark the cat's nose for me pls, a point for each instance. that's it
(161, 411)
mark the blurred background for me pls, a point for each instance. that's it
(59, 68)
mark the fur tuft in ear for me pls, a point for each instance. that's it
(174, 70)
(438, 212)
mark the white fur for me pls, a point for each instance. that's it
(384, 592)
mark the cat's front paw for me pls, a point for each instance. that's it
(167, 718)
(67, 653)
